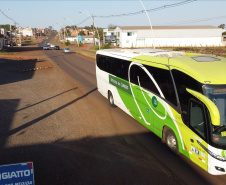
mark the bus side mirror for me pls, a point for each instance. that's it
(213, 110)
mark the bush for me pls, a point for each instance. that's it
(107, 46)
(95, 48)
(67, 43)
(79, 45)
(176, 49)
(27, 41)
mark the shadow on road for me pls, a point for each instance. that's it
(106, 160)
(28, 124)
(10, 70)
(28, 106)
(25, 47)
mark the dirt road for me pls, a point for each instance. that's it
(47, 118)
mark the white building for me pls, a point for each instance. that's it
(72, 38)
(141, 36)
(25, 32)
(89, 40)
(107, 34)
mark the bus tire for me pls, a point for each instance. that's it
(171, 141)
(111, 99)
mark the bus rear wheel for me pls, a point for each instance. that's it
(171, 141)
(111, 99)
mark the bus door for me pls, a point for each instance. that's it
(196, 134)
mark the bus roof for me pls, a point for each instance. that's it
(207, 69)
(149, 52)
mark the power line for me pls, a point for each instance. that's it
(194, 21)
(9, 17)
(141, 11)
(83, 21)
(149, 10)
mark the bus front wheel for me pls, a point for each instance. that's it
(111, 99)
(171, 141)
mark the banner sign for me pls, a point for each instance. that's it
(17, 174)
(121, 84)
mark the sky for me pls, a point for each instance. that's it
(37, 13)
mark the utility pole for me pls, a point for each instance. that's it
(93, 31)
(10, 33)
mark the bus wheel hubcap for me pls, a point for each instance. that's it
(171, 141)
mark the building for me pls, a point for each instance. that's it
(3, 37)
(2, 40)
(89, 40)
(141, 36)
(72, 38)
(109, 36)
(76, 32)
(25, 32)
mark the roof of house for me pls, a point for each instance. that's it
(166, 27)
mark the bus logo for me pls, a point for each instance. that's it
(154, 101)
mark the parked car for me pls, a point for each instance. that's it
(48, 44)
(52, 45)
(66, 50)
(45, 47)
(56, 47)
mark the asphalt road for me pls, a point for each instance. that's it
(82, 70)
(57, 119)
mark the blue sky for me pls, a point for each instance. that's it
(58, 13)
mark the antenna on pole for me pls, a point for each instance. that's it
(149, 23)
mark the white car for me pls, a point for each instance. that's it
(66, 50)
(45, 47)
(52, 45)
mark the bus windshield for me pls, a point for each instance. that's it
(217, 94)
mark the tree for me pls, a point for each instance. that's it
(7, 26)
(222, 26)
(81, 33)
(111, 26)
(100, 31)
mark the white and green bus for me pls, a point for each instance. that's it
(181, 97)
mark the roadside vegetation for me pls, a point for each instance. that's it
(3, 52)
(105, 46)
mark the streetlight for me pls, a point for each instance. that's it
(149, 23)
(92, 17)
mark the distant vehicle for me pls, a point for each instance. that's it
(52, 45)
(45, 47)
(13, 44)
(56, 47)
(48, 44)
(66, 50)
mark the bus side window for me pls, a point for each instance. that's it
(182, 82)
(116, 66)
(107, 64)
(164, 80)
(197, 119)
(133, 74)
(125, 68)
(100, 62)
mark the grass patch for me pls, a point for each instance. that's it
(27, 41)
(6, 53)
(87, 54)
